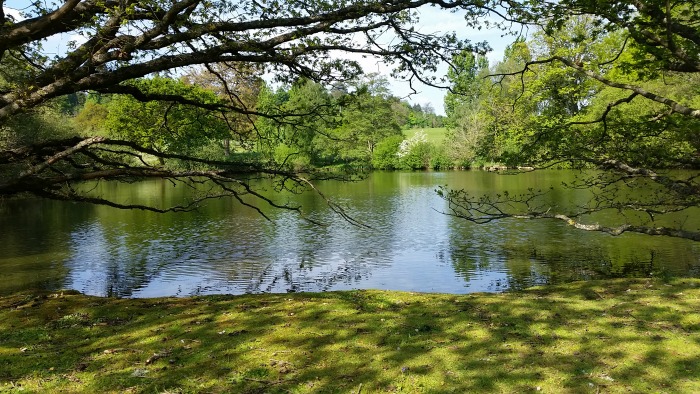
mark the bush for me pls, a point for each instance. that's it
(292, 158)
(385, 155)
(418, 157)
(439, 160)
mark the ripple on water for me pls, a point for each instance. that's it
(408, 246)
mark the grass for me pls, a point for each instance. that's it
(588, 337)
(434, 135)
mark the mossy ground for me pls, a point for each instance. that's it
(604, 336)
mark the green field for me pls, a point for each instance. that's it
(435, 135)
(615, 336)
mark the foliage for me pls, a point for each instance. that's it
(590, 89)
(489, 119)
(366, 119)
(305, 134)
(466, 80)
(414, 153)
(123, 46)
(385, 155)
(40, 124)
(341, 125)
(408, 145)
(167, 127)
(440, 160)
(70, 104)
(270, 129)
(599, 83)
(91, 118)
(239, 85)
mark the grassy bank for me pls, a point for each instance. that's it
(434, 135)
(609, 336)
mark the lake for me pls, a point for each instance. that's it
(226, 248)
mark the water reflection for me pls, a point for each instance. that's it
(227, 248)
(33, 238)
(538, 253)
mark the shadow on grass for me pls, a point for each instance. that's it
(607, 336)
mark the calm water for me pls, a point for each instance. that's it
(226, 248)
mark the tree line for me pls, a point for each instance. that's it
(604, 84)
(527, 110)
(608, 86)
(358, 124)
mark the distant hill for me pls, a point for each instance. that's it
(435, 135)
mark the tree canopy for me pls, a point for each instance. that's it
(120, 42)
(610, 85)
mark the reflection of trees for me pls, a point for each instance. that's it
(226, 248)
(34, 239)
(123, 252)
(542, 258)
(307, 257)
(292, 277)
(517, 254)
(110, 261)
(222, 247)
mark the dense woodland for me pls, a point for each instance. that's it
(356, 125)
(493, 112)
(232, 90)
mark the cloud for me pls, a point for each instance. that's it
(15, 14)
(439, 21)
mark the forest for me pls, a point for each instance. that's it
(513, 113)
(229, 92)
(358, 125)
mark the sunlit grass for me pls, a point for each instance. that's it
(434, 135)
(603, 336)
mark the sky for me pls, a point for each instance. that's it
(432, 21)
(435, 21)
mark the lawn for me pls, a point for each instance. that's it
(435, 135)
(600, 336)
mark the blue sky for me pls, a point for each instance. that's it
(432, 20)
